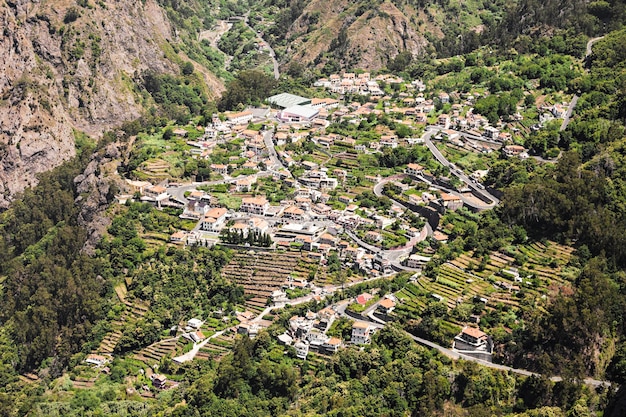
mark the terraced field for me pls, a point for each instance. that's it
(261, 273)
(155, 240)
(155, 352)
(133, 311)
(467, 277)
(83, 382)
(156, 169)
(217, 347)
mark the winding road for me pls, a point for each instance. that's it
(178, 192)
(572, 104)
(455, 355)
(460, 174)
(269, 47)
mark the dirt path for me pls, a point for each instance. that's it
(214, 35)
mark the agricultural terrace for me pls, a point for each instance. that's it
(510, 280)
(261, 273)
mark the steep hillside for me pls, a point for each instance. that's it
(353, 35)
(369, 34)
(70, 66)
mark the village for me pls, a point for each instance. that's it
(289, 178)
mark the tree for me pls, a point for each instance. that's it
(186, 68)
(250, 86)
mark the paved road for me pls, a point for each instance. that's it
(454, 355)
(590, 45)
(178, 192)
(393, 255)
(269, 48)
(458, 173)
(572, 104)
(196, 348)
(268, 138)
(569, 112)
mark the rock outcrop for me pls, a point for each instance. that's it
(358, 35)
(69, 66)
(96, 187)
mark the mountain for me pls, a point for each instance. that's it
(70, 66)
(360, 34)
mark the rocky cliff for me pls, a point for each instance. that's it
(357, 35)
(67, 66)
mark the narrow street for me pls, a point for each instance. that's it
(269, 48)
(572, 105)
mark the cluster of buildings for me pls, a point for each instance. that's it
(362, 84)
(308, 333)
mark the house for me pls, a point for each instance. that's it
(440, 237)
(138, 186)
(308, 165)
(97, 360)
(514, 150)
(220, 168)
(327, 239)
(322, 209)
(386, 306)
(213, 219)
(364, 298)
(245, 184)
(194, 323)
(258, 225)
(373, 236)
(254, 205)
(180, 132)
(302, 349)
(195, 337)
(328, 183)
(293, 213)
(416, 261)
(248, 329)
(158, 380)
(178, 237)
(156, 192)
(389, 141)
(414, 169)
(360, 333)
(444, 121)
(474, 339)
(332, 345)
(240, 118)
(195, 209)
(285, 339)
(451, 201)
(491, 133)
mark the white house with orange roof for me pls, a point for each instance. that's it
(473, 339)
(361, 333)
(243, 117)
(254, 205)
(414, 169)
(213, 219)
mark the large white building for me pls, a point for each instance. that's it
(254, 205)
(298, 113)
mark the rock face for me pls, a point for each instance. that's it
(67, 66)
(96, 187)
(358, 35)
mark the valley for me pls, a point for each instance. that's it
(301, 208)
